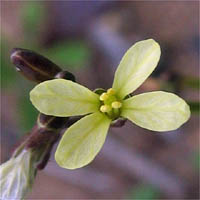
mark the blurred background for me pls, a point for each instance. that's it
(88, 38)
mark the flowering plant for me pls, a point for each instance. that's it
(157, 111)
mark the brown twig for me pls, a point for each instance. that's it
(46, 130)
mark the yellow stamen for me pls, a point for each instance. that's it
(116, 104)
(103, 96)
(105, 108)
(110, 91)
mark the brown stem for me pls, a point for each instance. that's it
(45, 132)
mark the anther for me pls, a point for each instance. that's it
(103, 96)
(110, 91)
(105, 108)
(116, 104)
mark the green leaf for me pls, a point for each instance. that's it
(82, 141)
(135, 67)
(157, 111)
(64, 98)
(17, 176)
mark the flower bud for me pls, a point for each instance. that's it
(51, 122)
(66, 75)
(99, 91)
(17, 176)
(33, 66)
(118, 122)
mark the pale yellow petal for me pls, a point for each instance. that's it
(157, 111)
(64, 98)
(82, 141)
(136, 65)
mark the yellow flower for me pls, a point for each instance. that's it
(158, 111)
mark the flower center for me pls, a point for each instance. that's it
(110, 105)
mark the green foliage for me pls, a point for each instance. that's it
(144, 192)
(27, 113)
(32, 15)
(8, 74)
(70, 54)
